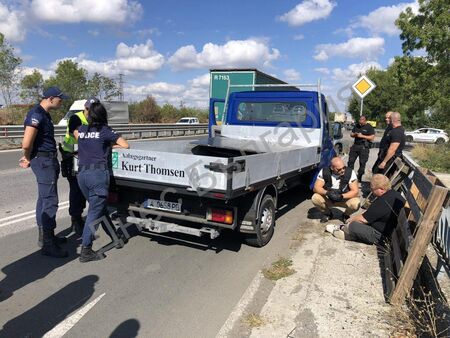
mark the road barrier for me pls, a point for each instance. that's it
(422, 221)
(129, 131)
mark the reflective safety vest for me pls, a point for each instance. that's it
(70, 140)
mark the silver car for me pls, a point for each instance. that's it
(427, 135)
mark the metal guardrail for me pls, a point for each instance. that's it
(130, 131)
(442, 236)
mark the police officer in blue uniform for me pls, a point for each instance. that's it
(39, 152)
(69, 150)
(94, 145)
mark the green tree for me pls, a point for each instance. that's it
(429, 30)
(9, 64)
(102, 87)
(71, 79)
(32, 87)
(146, 111)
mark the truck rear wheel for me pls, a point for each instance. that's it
(265, 223)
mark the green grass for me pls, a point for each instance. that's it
(279, 269)
(433, 157)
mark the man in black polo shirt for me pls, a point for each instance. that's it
(376, 224)
(39, 152)
(393, 146)
(382, 147)
(363, 133)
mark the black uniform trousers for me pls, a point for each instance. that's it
(358, 150)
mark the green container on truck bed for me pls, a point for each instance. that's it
(221, 78)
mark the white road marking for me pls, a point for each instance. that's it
(62, 328)
(240, 307)
(27, 215)
(10, 150)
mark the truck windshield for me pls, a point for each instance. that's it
(294, 112)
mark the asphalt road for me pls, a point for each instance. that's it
(156, 286)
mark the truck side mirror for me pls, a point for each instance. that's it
(337, 131)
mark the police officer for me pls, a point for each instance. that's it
(395, 142)
(383, 143)
(68, 149)
(94, 145)
(39, 152)
(363, 133)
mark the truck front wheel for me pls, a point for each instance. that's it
(265, 223)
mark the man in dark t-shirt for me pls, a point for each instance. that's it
(382, 147)
(376, 224)
(393, 147)
(363, 133)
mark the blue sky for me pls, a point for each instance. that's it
(165, 48)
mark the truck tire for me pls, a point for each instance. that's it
(265, 223)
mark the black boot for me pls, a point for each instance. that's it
(89, 255)
(77, 225)
(58, 240)
(50, 248)
(40, 237)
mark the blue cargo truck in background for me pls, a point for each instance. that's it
(270, 140)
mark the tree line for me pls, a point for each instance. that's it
(416, 84)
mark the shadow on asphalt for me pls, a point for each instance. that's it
(50, 312)
(129, 328)
(33, 267)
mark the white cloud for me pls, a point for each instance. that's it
(29, 70)
(322, 70)
(193, 94)
(382, 20)
(350, 74)
(367, 48)
(235, 53)
(129, 60)
(291, 75)
(299, 37)
(12, 23)
(99, 11)
(94, 32)
(308, 11)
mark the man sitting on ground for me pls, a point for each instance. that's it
(336, 186)
(376, 224)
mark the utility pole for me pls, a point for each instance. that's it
(121, 96)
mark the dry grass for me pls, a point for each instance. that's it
(253, 320)
(279, 269)
(433, 157)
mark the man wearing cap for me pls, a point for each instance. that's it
(68, 149)
(39, 152)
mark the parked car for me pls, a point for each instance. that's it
(188, 120)
(427, 135)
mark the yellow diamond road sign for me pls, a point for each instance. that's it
(363, 86)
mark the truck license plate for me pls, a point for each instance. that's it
(163, 205)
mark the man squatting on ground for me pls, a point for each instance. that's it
(376, 224)
(39, 152)
(336, 186)
(364, 134)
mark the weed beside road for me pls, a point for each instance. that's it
(433, 157)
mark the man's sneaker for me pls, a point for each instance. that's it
(332, 228)
(339, 234)
(325, 218)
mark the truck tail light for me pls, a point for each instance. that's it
(219, 215)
